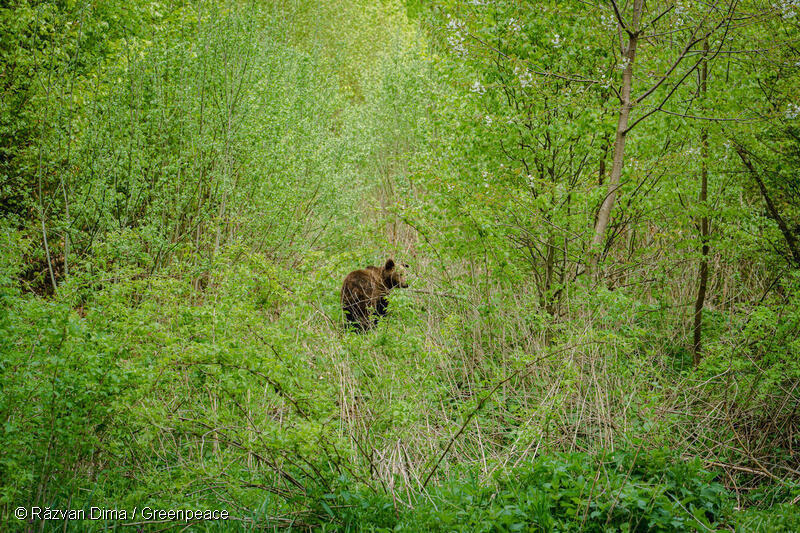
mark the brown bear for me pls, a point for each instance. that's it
(364, 292)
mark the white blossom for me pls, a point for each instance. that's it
(556, 40)
(788, 8)
(455, 24)
(524, 75)
(514, 25)
(477, 87)
(456, 39)
(792, 111)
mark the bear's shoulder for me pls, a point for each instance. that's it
(368, 274)
(374, 271)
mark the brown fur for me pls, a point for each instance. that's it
(364, 292)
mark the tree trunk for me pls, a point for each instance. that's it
(601, 174)
(604, 214)
(703, 274)
(772, 211)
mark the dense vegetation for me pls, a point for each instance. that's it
(599, 203)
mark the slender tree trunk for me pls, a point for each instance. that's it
(629, 55)
(703, 274)
(42, 214)
(65, 173)
(772, 211)
(601, 174)
(549, 268)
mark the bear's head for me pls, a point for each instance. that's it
(394, 275)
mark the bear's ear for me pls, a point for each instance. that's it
(389, 265)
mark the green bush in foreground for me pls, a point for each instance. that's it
(624, 491)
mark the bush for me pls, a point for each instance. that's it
(623, 491)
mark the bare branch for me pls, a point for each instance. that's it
(534, 71)
(791, 241)
(619, 18)
(652, 22)
(710, 119)
(693, 41)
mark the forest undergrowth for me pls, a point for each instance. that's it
(186, 184)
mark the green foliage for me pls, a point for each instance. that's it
(626, 491)
(61, 382)
(185, 184)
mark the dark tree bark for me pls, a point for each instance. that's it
(772, 211)
(703, 274)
